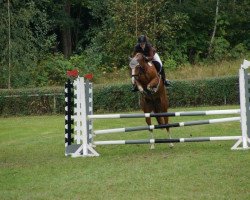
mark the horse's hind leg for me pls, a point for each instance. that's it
(164, 120)
(151, 135)
(171, 145)
(147, 108)
(168, 131)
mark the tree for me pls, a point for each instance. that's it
(28, 42)
(123, 22)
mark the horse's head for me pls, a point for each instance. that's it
(136, 60)
(137, 65)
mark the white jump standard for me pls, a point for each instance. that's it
(79, 140)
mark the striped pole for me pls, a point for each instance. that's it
(168, 114)
(69, 111)
(179, 124)
(173, 140)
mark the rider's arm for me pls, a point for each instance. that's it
(151, 53)
(136, 50)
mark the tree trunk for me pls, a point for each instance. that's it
(66, 33)
(215, 27)
(136, 18)
(77, 28)
(9, 48)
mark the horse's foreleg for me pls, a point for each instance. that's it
(153, 84)
(139, 86)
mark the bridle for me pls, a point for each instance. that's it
(138, 73)
(135, 64)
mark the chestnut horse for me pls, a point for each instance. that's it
(153, 96)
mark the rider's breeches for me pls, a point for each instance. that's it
(158, 65)
(159, 69)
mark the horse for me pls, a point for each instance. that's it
(153, 95)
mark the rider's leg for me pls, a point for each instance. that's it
(161, 71)
(165, 81)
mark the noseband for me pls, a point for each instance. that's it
(141, 70)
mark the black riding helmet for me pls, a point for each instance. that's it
(142, 39)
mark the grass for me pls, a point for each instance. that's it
(33, 165)
(197, 71)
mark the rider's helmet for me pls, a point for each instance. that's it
(142, 39)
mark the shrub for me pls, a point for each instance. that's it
(220, 48)
(238, 51)
(170, 64)
(51, 71)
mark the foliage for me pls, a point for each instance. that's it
(220, 49)
(99, 36)
(238, 51)
(51, 71)
(169, 63)
(29, 41)
(124, 22)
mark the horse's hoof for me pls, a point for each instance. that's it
(171, 145)
(152, 146)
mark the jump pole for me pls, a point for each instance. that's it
(168, 114)
(173, 140)
(179, 124)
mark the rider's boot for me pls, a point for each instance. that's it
(167, 83)
(134, 88)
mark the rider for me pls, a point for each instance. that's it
(144, 47)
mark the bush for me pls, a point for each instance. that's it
(220, 49)
(32, 101)
(238, 51)
(213, 91)
(51, 71)
(115, 98)
(169, 64)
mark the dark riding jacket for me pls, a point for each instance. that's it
(148, 51)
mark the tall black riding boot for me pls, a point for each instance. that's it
(134, 88)
(166, 82)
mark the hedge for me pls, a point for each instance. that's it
(118, 98)
(32, 101)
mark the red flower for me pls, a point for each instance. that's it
(72, 73)
(88, 76)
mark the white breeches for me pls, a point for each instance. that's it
(157, 58)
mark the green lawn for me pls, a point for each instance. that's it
(33, 165)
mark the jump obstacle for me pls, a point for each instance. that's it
(79, 140)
